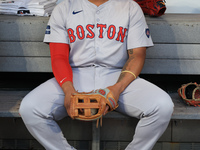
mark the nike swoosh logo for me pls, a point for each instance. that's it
(76, 12)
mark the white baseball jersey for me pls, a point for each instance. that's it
(101, 35)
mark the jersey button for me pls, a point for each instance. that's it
(98, 19)
(97, 11)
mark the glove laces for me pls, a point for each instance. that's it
(97, 125)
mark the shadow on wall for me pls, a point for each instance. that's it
(162, 58)
(21, 44)
(10, 46)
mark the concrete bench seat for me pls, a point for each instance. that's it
(10, 102)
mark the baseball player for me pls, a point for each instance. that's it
(97, 44)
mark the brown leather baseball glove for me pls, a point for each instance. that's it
(91, 106)
(190, 93)
(153, 8)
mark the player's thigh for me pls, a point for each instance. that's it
(46, 100)
(141, 98)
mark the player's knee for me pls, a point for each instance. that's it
(26, 110)
(165, 107)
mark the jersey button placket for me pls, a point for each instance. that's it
(97, 12)
(97, 15)
(96, 32)
(97, 19)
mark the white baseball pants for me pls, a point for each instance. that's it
(45, 104)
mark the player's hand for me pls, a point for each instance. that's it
(116, 91)
(68, 89)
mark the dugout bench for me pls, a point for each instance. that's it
(174, 60)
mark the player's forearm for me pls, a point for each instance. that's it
(68, 88)
(134, 67)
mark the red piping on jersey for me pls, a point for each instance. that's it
(60, 62)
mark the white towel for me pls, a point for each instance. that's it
(27, 7)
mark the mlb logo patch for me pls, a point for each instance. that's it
(48, 30)
(147, 31)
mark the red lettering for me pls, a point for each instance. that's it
(101, 26)
(71, 35)
(112, 29)
(80, 32)
(111, 32)
(121, 35)
(89, 27)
